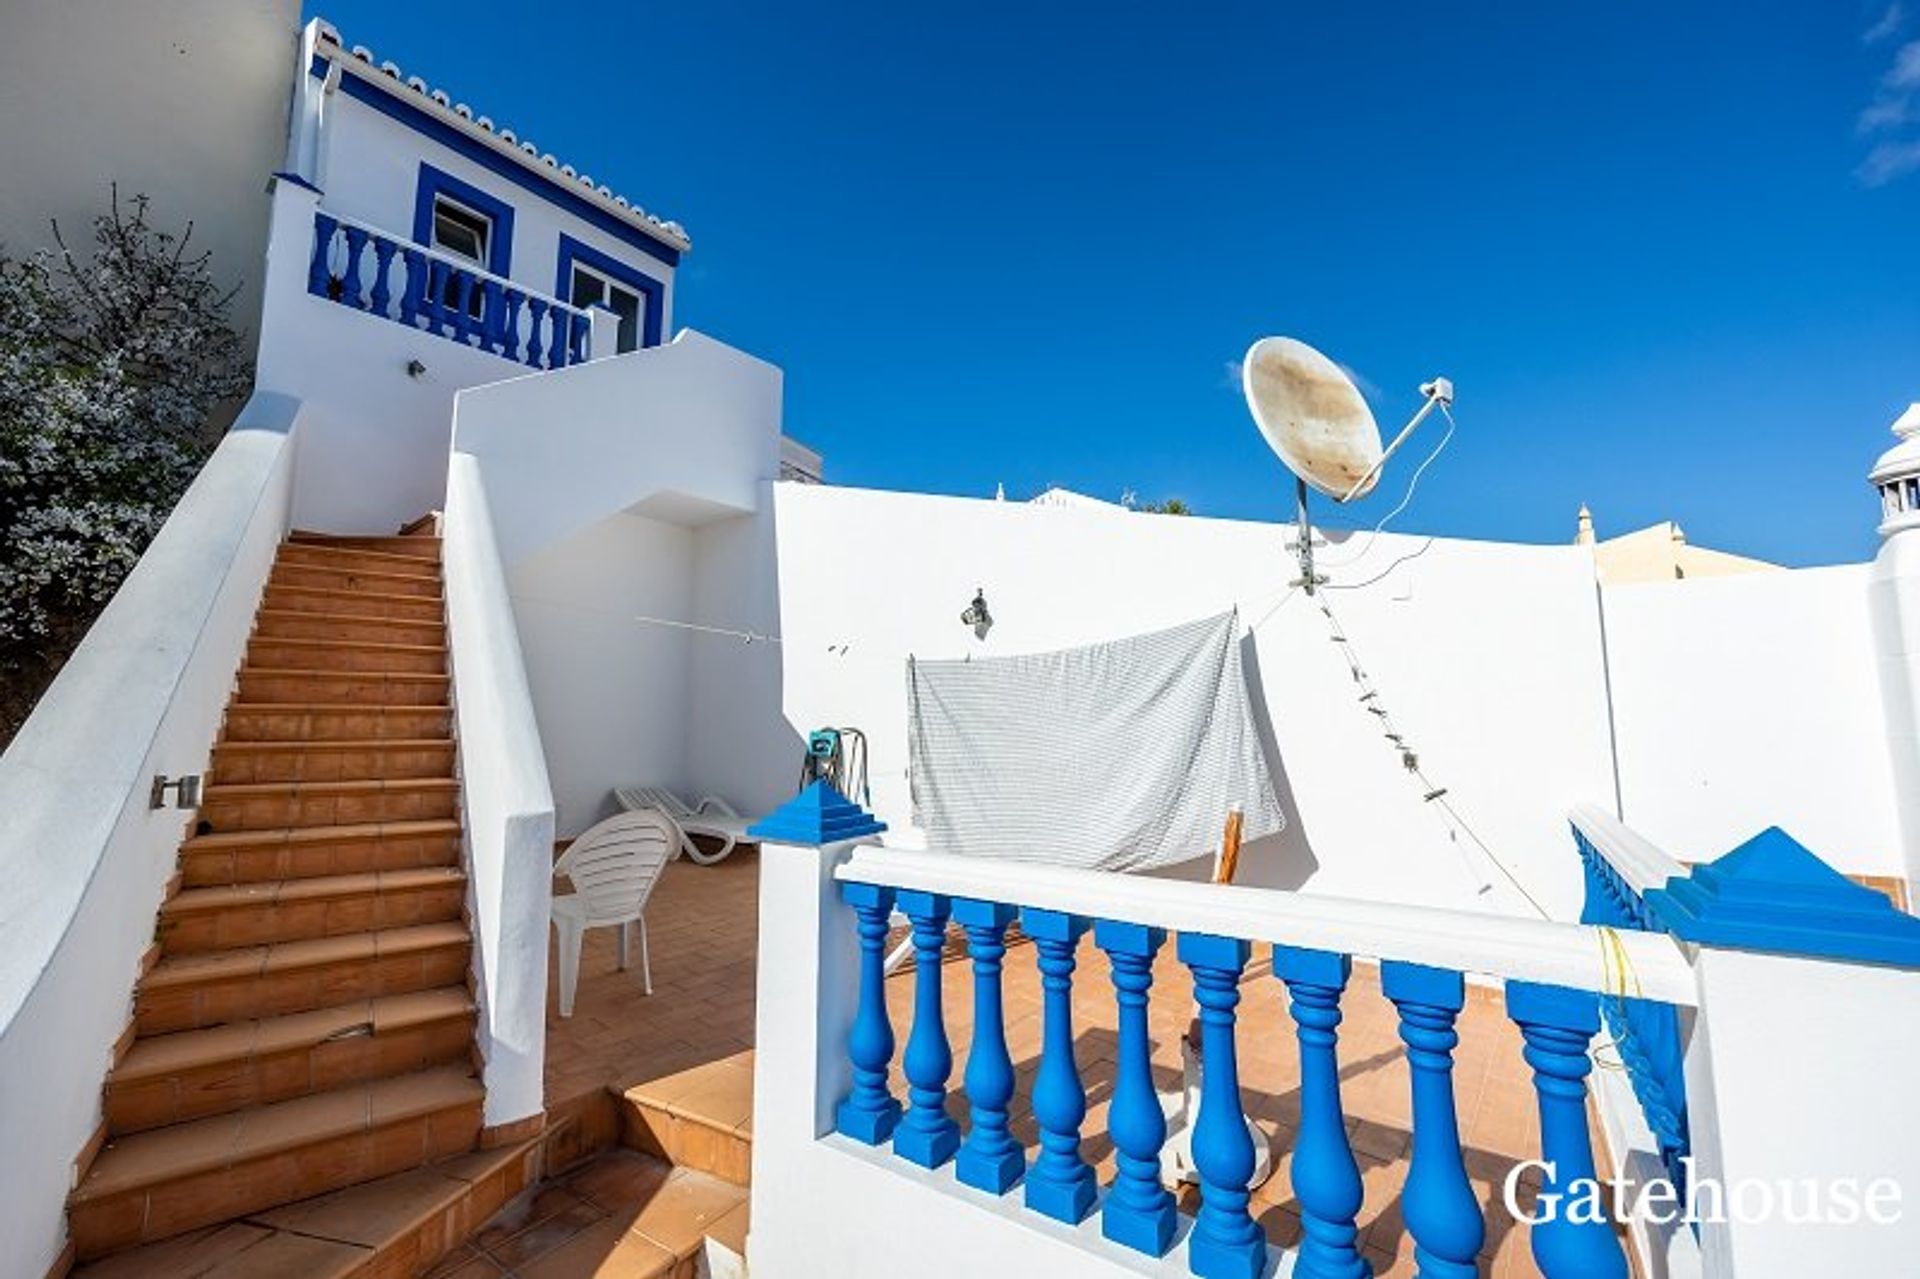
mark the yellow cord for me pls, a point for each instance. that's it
(1621, 982)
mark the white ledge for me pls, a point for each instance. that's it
(1640, 862)
(1494, 945)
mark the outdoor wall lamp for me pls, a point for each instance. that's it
(186, 791)
(976, 614)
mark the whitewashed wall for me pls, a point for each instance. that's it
(1754, 701)
(372, 173)
(184, 101)
(600, 480)
(84, 861)
(1488, 654)
(373, 454)
(373, 447)
(576, 603)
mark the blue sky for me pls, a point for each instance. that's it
(1666, 252)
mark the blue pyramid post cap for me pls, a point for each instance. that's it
(1771, 894)
(820, 814)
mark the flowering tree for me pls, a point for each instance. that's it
(110, 367)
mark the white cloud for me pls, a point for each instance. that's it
(1886, 113)
(1905, 71)
(1889, 160)
(1230, 376)
(1890, 22)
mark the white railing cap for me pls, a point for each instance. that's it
(1575, 955)
(1641, 862)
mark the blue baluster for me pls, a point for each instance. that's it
(1326, 1180)
(536, 308)
(1060, 1184)
(434, 304)
(1441, 1212)
(869, 1113)
(460, 305)
(382, 264)
(1139, 1212)
(510, 325)
(991, 1160)
(319, 275)
(1226, 1242)
(350, 278)
(489, 314)
(557, 349)
(1557, 1024)
(414, 294)
(927, 1134)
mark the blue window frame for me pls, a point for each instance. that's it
(435, 183)
(651, 292)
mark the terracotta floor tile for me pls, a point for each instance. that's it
(678, 1214)
(602, 1251)
(544, 1236)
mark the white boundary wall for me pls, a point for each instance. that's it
(507, 806)
(1754, 701)
(1488, 655)
(83, 860)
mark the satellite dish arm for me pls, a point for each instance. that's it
(1438, 392)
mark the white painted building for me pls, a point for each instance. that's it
(646, 583)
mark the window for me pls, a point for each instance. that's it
(590, 288)
(460, 231)
(588, 277)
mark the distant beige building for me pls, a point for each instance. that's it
(1659, 553)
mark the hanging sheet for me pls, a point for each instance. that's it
(1117, 756)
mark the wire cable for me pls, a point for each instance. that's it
(1413, 486)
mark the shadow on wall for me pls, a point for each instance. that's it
(1284, 859)
(741, 745)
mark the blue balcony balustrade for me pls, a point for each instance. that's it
(384, 275)
(1137, 1214)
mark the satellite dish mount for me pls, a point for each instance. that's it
(1317, 422)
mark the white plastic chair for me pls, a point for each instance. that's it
(613, 868)
(712, 817)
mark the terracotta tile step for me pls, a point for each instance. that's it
(328, 721)
(622, 1215)
(191, 992)
(297, 624)
(336, 554)
(421, 545)
(170, 1079)
(345, 655)
(353, 580)
(301, 852)
(360, 688)
(153, 1185)
(320, 599)
(270, 805)
(341, 759)
(196, 920)
(700, 1118)
(396, 1225)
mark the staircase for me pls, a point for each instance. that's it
(305, 1021)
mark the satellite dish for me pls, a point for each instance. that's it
(1313, 417)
